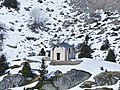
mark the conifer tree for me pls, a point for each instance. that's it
(26, 70)
(3, 64)
(110, 56)
(105, 45)
(42, 52)
(10, 3)
(85, 51)
(43, 70)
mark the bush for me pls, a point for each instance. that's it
(3, 64)
(111, 56)
(42, 52)
(38, 20)
(85, 51)
(105, 45)
(26, 70)
(10, 4)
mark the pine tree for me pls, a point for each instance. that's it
(3, 64)
(111, 56)
(42, 52)
(85, 51)
(105, 45)
(43, 70)
(26, 70)
(10, 3)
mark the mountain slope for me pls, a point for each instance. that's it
(60, 20)
(61, 25)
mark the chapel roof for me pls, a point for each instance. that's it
(65, 45)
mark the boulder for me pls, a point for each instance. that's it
(49, 87)
(11, 81)
(107, 78)
(66, 23)
(87, 84)
(58, 73)
(67, 80)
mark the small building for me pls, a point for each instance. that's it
(62, 52)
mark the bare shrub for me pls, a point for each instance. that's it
(38, 20)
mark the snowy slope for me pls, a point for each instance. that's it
(18, 22)
(17, 46)
(89, 65)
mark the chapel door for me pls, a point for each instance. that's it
(58, 56)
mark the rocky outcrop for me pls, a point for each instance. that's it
(107, 78)
(58, 73)
(68, 80)
(89, 6)
(87, 84)
(104, 88)
(11, 81)
(49, 86)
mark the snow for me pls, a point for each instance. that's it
(90, 65)
(1, 78)
(15, 20)
(27, 86)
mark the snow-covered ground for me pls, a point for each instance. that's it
(17, 37)
(90, 65)
(19, 20)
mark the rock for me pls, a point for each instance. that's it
(80, 36)
(89, 6)
(47, 9)
(104, 88)
(31, 38)
(107, 78)
(52, 10)
(11, 81)
(101, 32)
(32, 54)
(61, 13)
(66, 23)
(58, 73)
(88, 84)
(1, 37)
(27, 8)
(11, 46)
(40, 1)
(71, 79)
(48, 87)
(114, 34)
(68, 80)
(48, 23)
